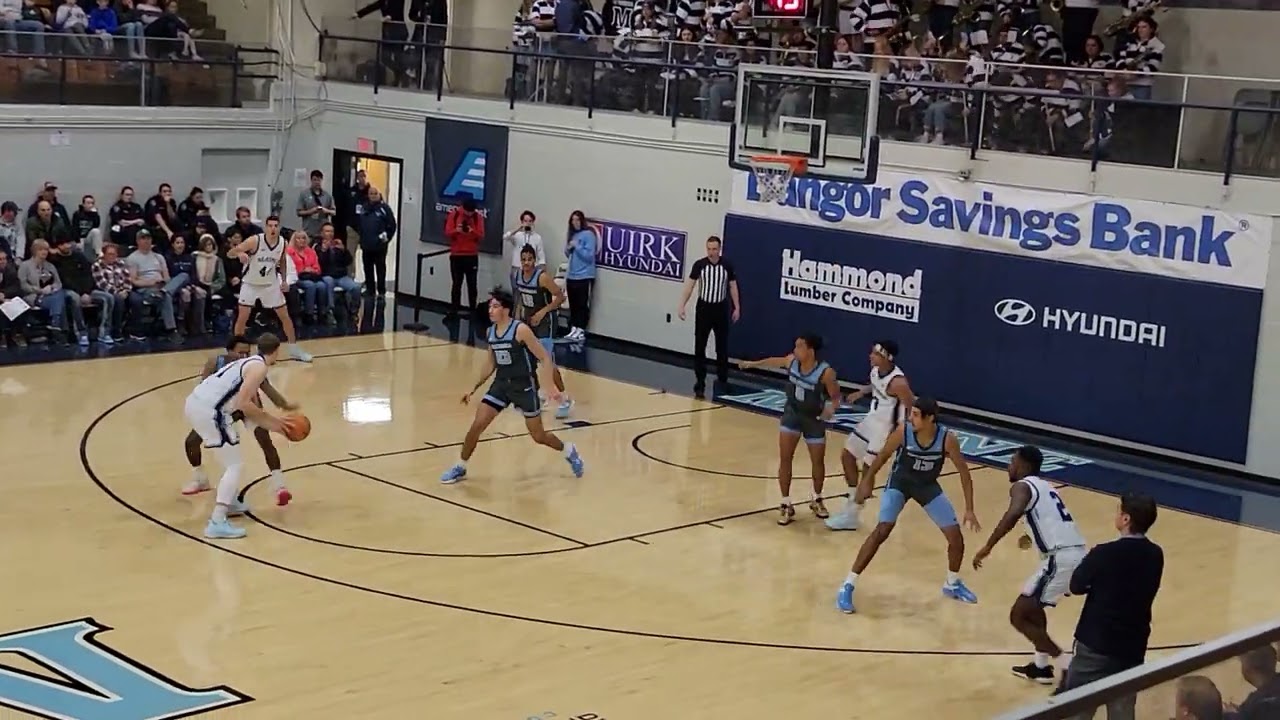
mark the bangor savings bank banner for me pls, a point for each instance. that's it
(1129, 319)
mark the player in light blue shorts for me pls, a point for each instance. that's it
(918, 449)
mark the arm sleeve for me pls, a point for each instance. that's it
(1082, 578)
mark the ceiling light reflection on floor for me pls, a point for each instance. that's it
(366, 410)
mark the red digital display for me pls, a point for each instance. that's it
(781, 8)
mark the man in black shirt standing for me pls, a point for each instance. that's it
(1120, 580)
(717, 307)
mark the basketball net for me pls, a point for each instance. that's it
(773, 175)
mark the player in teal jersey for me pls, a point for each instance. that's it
(918, 449)
(537, 298)
(812, 399)
(514, 353)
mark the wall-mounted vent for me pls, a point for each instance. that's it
(709, 195)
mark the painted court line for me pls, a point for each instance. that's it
(549, 622)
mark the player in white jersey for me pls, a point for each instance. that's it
(265, 270)
(1054, 533)
(891, 400)
(209, 409)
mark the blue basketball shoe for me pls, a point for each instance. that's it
(958, 591)
(844, 599)
(575, 461)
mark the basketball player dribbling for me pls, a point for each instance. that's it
(539, 297)
(919, 447)
(238, 348)
(513, 350)
(209, 409)
(891, 399)
(811, 401)
(1053, 531)
(264, 272)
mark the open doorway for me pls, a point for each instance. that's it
(384, 173)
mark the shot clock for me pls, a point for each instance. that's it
(780, 9)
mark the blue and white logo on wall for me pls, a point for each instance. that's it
(1020, 313)
(467, 177)
(464, 157)
(1068, 311)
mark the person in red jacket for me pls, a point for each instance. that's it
(464, 227)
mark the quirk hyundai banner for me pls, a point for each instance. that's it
(1120, 318)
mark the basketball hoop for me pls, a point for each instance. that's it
(773, 174)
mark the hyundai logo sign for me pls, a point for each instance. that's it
(1015, 312)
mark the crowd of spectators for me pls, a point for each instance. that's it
(930, 64)
(134, 29)
(162, 268)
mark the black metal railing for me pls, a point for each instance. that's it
(1238, 137)
(97, 72)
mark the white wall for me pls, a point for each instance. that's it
(232, 178)
(247, 22)
(101, 149)
(554, 175)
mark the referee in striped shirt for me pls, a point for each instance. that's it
(718, 306)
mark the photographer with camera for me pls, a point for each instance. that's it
(523, 235)
(464, 228)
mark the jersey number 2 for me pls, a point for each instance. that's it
(1062, 507)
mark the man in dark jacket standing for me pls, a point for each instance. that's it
(353, 204)
(1119, 580)
(377, 230)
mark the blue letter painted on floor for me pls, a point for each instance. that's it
(95, 682)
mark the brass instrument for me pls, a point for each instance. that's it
(1056, 6)
(1126, 23)
(966, 13)
(920, 10)
(1001, 24)
(910, 13)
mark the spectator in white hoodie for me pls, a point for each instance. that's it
(74, 24)
(22, 16)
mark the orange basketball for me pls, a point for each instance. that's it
(297, 427)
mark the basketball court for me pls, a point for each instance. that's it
(656, 585)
